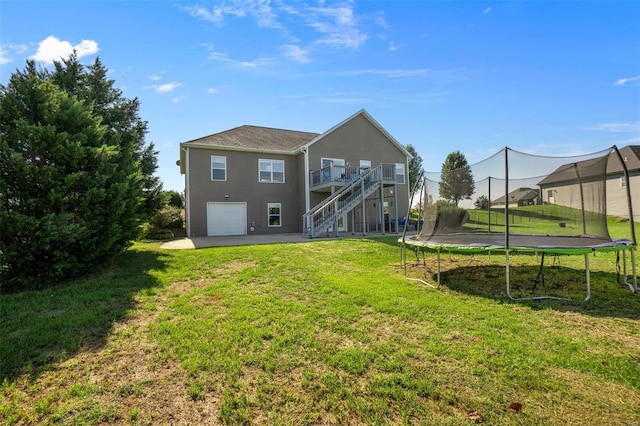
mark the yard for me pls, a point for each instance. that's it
(321, 332)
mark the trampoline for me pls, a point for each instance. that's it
(553, 206)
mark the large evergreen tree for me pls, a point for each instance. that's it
(415, 167)
(76, 176)
(456, 180)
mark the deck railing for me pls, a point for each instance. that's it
(324, 215)
(339, 175)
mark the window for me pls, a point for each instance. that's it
(274, 214)
(218, 167)
(365, 166)
(271, 171)
(333, 169)
(399, 172)
(550, 194)
(623, 182)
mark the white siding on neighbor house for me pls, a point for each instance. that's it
(226, 219)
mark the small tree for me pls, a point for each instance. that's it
(415, 167)
(456, 182)
(481, 203)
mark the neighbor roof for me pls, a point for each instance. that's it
(566, 172)
(255, 138)
(520, 194)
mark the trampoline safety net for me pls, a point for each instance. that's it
(513, 199)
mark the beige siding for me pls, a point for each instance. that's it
(616, 196)
(358, 139)
(242, 186)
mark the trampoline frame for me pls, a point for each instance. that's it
(621, 245)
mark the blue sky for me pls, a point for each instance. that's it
(553, 78)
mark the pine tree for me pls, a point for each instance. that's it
(71, 175)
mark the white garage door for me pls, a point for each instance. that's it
(226, 219)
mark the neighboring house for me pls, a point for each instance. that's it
(259, 180)
(560, 188)
(518, 198)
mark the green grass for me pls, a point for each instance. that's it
(547, 219)
(319, 332)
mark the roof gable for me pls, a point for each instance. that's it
(377, 125)
(249, 138)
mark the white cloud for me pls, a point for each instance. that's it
(260, 10)
(212, 91)
(4, 59)
(10, 49)
(53, 49)
(296, 53)
(155, 77)
(400, 73)
(487, 10)
(338, 25)
(244, 65)
(393, 47)
(623, 81)
(617, 127)
(167, 87)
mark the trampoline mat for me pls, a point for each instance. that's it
(466, 242)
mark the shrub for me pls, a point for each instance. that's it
(451, 216)
(158, 234)
(169, 217)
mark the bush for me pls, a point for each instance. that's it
(451, 216)
(158, 234)
(169, 217)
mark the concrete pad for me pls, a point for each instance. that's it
(240, 240)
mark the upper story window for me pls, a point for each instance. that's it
(218, 167)
(271, 171)
(365, 166)
(399, 172)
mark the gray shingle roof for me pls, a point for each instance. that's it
(590, 169)
(520, 194)
(255, 137)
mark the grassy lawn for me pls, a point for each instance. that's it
(322, 332)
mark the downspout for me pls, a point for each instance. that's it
(307, 199)
(187, 196)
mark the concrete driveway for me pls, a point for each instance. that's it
(240, 240)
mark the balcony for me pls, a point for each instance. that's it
(335, 175)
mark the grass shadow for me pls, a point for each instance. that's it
(46, 326)
(610, 297)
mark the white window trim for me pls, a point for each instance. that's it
(400, 166)
(272, 161)
(225, 168)
(269, 215)
(365, 165)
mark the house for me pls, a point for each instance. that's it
(259, 180)
(518, 198)
(558, 187)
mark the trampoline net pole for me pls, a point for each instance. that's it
(584, 223)
(586, 266)
(506, 199)
(506, 272)
(628, 188)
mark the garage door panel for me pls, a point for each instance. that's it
(226, 219)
